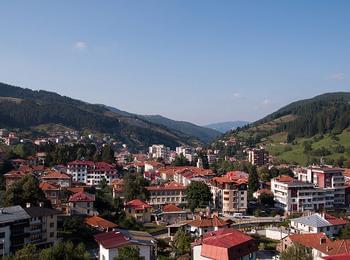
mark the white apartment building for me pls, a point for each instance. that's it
(158, 151)
(91, 173)
(296, 196)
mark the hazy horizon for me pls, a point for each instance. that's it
(195, 61)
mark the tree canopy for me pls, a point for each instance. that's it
(198, 195)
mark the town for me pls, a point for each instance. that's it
(91, 197)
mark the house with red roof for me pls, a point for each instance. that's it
(13, 176)
(110, 242)
(171, 214)
(100, 224)
(139, 210)
(206, 223)
(225, 244)
(57, 178)
(81, 203)
(52, 192)
(320, 245)
(318, 223)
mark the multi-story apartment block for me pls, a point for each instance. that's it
(258, 156)
(328, 178)
(295, 196)
(230, 192)
(81, 203)
(91, 173)
(187, 152)
(14, 222)
(158, 151)
(168, 193)
(42, 226)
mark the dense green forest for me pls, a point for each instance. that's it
(25, 108)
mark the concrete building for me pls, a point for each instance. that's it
(139, 210)
(157, 151)
(258, 156)
(168, 193)
(110, 243)
(230, 192)
(224, 244)
(81, 203)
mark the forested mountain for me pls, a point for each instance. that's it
(304, 131)
(223, 127)
(25, 108)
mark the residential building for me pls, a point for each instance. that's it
(81, 203)
(42, 226)
(171, 214)
(203, 224)
(57, 178)
(52, 193)
(225, 244)
(230, 192)
(100, 224)
(292, 195)
(258, 156)
(168, 193)
(158, 151)
(110, 243)
(91, 173)
(318, 244)
(318, 223)
(138, 209)
(14, 223)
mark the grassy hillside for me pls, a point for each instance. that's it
(305, 131)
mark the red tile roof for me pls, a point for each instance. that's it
(227, 244)
(48, 186)
(335, 221)
(81, 197)
(327, 247)
(167, 186)
(98, 222)
(208, 222)
(284, 178)
(112, 239)
(137, 204)
(171, 208)
(55, 175)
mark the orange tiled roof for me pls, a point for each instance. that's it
(171, 208)
(208, 222)
(55, 175)
(47, 186)
(98, 222)
(167, 186)
(328, 247)
(137, 204)
(284, 178)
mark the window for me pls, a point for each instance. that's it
(52, 225)
(52, 234)
(2, 234)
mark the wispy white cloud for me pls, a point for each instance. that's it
(80, 45)
(236, 95)
(337, 76)
(266, 102)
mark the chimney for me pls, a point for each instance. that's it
(41, 204)
(28, 205)
(322, 240)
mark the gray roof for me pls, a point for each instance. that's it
(139, 237)
(11, 214)
(41, 212)
(315, 220)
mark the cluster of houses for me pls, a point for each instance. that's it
(312, 189)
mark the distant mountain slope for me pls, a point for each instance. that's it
(223, 127)
(25, 108)
(202, 133)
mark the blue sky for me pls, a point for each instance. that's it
(195, 60)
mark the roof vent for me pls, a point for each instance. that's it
(322, 240)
